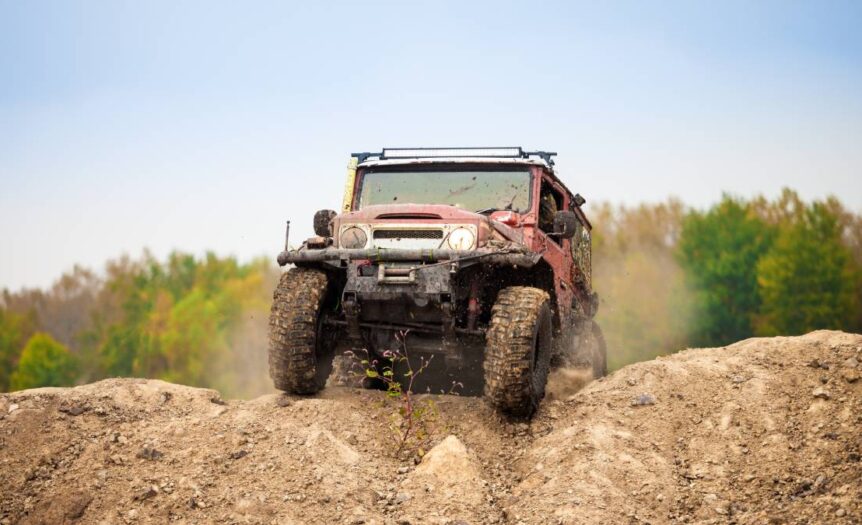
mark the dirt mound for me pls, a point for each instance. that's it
(763, 431)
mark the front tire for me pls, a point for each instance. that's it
(300, 353)
(518, 350)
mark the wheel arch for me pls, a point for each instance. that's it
(541, 276)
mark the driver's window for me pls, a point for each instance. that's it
(550, 201)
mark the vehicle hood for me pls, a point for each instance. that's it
(430, 214)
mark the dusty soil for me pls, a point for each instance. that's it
(763, 431)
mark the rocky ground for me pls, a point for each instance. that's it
(763, 431)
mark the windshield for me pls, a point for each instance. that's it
(470, 190)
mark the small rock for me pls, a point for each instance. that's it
(851, 363)
(821, 393)
(150, 453)
(78, 503)
(73, 409)
(402, 497)
(13, 407)
(850, 375)
(403, 470)
(239, 454)
(147, 493)
(643, 400)
(736, 379)
(217, 400)
(840, 513)
(631, 381)
(283, 401)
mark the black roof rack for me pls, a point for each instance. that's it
(430, 153)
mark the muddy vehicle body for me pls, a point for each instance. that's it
(477, 257)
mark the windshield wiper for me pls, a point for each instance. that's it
(492, 209)
(508, 207)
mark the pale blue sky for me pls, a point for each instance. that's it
(204, 125)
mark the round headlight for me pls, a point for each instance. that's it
(461, 239)
(353, 238)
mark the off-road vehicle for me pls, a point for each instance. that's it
(477, 256)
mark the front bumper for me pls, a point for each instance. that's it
(490, 256)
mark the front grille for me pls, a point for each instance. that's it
(408, 234)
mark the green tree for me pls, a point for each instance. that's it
(14, 330)
(720, 250)
(808, 279)
(44, 362)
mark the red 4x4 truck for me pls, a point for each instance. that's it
(481, 256)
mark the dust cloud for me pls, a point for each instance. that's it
(565, 382)
(646, 309)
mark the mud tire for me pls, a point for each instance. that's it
(590, 349)
(518, 350)
(599, 352)
(300, 356)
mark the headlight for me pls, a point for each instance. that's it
(353, 238)
(461, 239)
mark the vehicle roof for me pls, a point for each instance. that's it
(454, 160)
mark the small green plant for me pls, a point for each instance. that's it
(413, 421)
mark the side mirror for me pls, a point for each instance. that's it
(323, 222)
(565, 224)
(579, 200)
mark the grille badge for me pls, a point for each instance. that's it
(408, 234)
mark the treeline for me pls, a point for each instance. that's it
(192, 321)
(672, 278)
(669, 277)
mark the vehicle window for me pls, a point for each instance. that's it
(550, 202)
(470, 190)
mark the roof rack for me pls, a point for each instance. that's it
(430, 153)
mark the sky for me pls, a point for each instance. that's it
(199, 126)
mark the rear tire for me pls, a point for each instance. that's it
(300, 353)
(600, 362)
(518, 350)
(591, 349)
